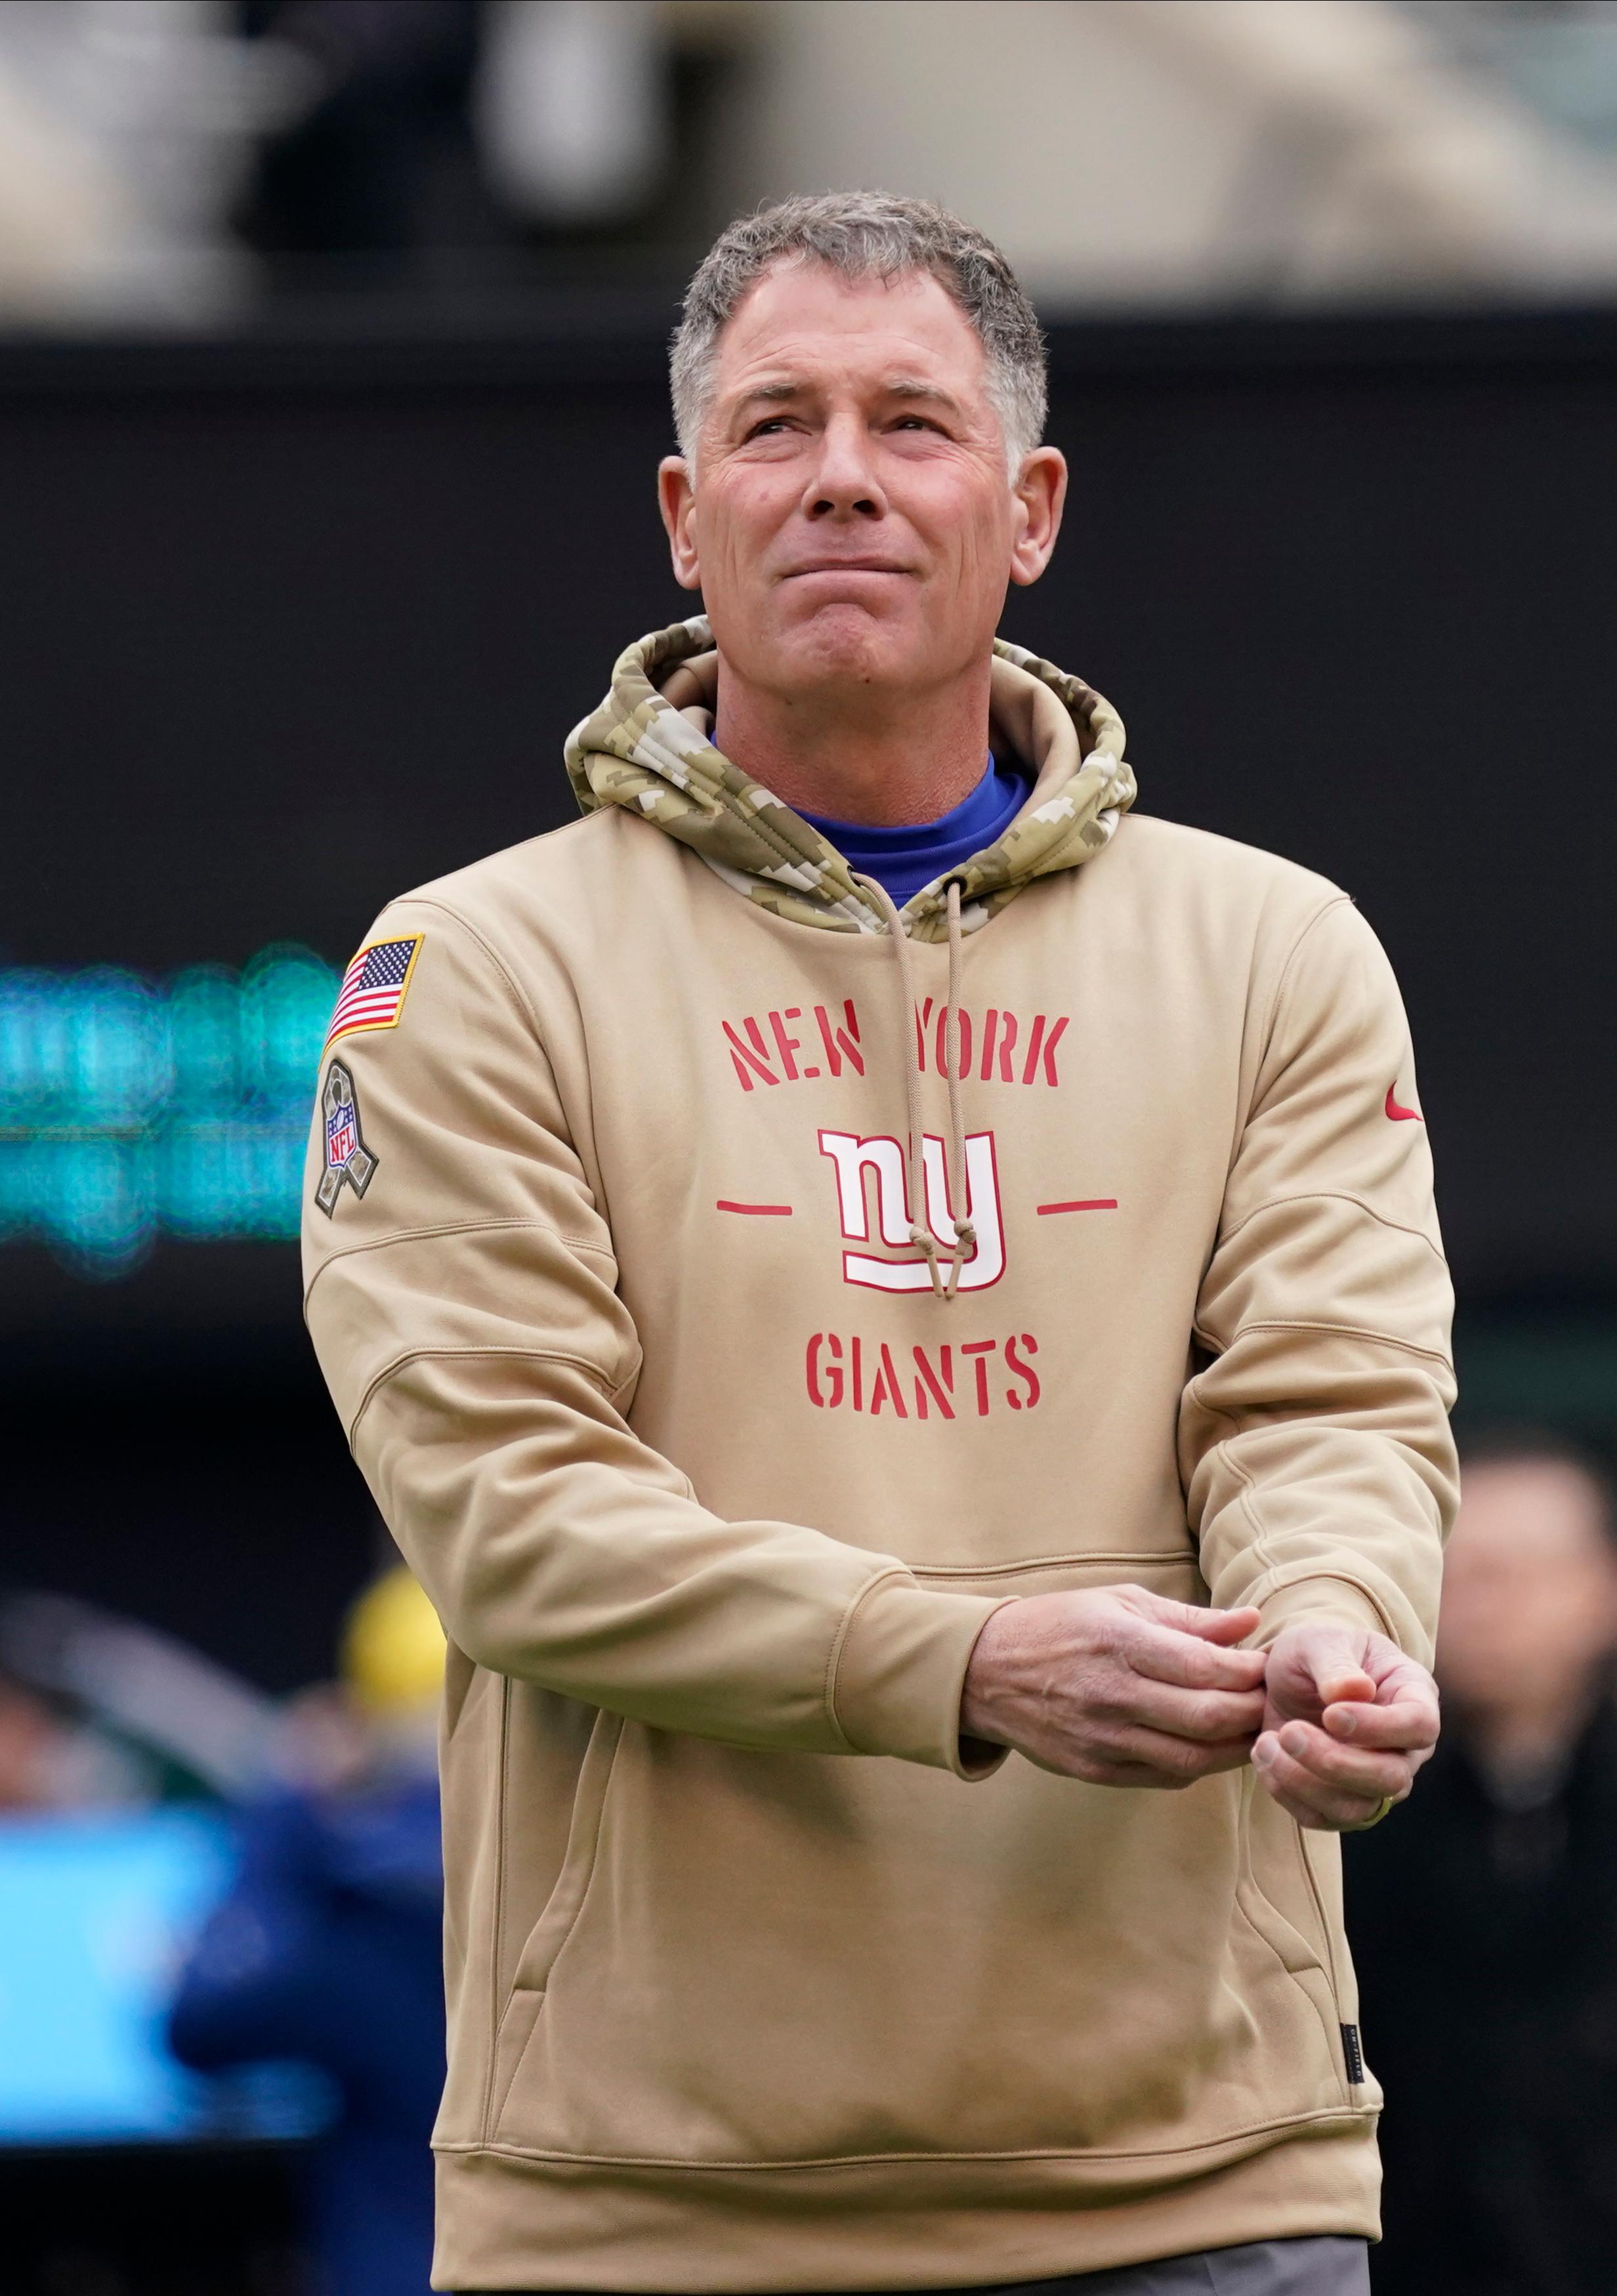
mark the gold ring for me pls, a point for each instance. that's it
(1364, 1823)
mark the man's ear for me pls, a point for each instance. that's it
(677, 500)
(1038, 497)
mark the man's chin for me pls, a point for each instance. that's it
(846, 645)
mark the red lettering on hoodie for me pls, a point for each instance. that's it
(788, 1044)
(834, 1373)
(990, 1043)
(982, 1349)
(834, 1367)
(926, 1381)
(1023, 1370)
(1030, 1065)
(841, 1044)
(755, 1060)
(886, 1388)
(750, 1054)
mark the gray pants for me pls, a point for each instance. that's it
(1264, 2267)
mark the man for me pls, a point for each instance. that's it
(817, 1329)
(1487, 1933)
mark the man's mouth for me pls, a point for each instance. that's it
(847, 566)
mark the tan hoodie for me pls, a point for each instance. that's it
(637, 1311)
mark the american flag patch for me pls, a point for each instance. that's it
(372, 991)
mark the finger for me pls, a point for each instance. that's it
(1330, 1658)
(1337, 1671)
(1305, 1797)
(1134, 1755)
(1164, 1655)
(1194, 1617)
(1223, 1626)
(1306, 1812)
(1407, 1723)
(1351, 1769)
(1208, 1716)
(1170, 1760)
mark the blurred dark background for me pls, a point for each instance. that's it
(332, 388)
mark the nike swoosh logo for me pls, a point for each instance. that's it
(1401, 1115)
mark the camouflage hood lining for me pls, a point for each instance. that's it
(646, 748)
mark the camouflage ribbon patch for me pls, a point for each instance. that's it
(348, 1162)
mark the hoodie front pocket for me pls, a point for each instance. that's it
(562, 1908)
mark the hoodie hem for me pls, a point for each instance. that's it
(519, 2220)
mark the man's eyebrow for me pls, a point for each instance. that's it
(747, 403)
(893, 386)
(774, 393)
(913, 386)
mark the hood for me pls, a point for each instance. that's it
(646, 748)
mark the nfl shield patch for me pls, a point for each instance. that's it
(348, 1162)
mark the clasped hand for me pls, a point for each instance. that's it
(1122, 1687)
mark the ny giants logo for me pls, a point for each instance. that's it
(881, 1155)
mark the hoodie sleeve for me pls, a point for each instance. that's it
(1314, 1445)
(463, 1306)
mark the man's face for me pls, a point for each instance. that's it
(1530, 1589)
(853, 523)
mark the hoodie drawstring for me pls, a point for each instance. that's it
(920, 1227)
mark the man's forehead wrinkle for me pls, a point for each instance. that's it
(781, 342)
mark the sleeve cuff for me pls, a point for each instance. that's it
(900, 1673)
(1332, 1602)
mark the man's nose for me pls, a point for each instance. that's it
(844, 484)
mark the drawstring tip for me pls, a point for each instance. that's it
(925, 1243)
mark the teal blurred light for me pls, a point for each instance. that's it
(131, 1108)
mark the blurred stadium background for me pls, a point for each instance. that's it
(332, 384)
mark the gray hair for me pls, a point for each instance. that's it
(866, 235)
